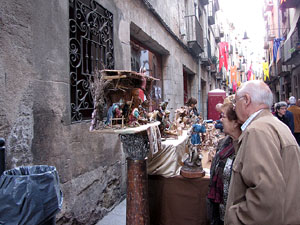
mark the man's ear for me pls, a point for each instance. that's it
(247, 99)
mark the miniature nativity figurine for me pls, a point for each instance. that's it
(191, 104)
(166, 123)
(160, 116)
(136, 117)
(193, 164)
(197, 129)
(115, 111)
(212, 137)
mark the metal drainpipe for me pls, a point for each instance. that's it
(278, 52)
(199, 88)
(2, 155)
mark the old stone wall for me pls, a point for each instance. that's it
(35, 111)
(175, 16)
(295, 81)
(35, 116)
(177, 56)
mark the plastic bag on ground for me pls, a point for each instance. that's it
(29, 195)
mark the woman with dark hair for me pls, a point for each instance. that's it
(220, 171)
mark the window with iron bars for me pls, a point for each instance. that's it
(90, 48)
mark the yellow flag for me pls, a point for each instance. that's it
(266, 70)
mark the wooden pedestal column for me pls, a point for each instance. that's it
(136, 148)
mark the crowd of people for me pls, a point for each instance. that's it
(255, 172)
(289, 113)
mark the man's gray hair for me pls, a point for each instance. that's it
(259, 92)
(278, 105)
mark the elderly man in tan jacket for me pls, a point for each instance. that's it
(265, 182)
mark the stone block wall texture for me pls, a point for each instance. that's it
(35, 116)
(35, 111)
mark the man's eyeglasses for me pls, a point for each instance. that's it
(234, 101)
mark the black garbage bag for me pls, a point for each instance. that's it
(29, 195)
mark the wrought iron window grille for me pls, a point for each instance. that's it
(90, 48)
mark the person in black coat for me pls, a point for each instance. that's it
(280, 113)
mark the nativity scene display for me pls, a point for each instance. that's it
(122, 99)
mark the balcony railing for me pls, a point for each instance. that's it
(217, 33)
(266, 43)
(208, 49)
(219, 76)
(221, 32)
(241, 67)
(264, 14)
(204, 2)
(194, 34)
(231, 49)
(282, 53)
(206, 55)
(236, 49)
(291, 49)
(283, 70)
(295, 41)
(213, 68)
(268, 5)
(211, 13)
(217, 6)
(289, 4)
(270, 33)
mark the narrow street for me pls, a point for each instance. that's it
(116, 110)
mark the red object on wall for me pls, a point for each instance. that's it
(142, 95)
(214, 97)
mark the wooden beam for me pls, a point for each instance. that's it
(114, 77)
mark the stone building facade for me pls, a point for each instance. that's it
(283, 24)
(49, 50)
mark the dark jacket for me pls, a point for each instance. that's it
(289, 115)
(283, 119)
